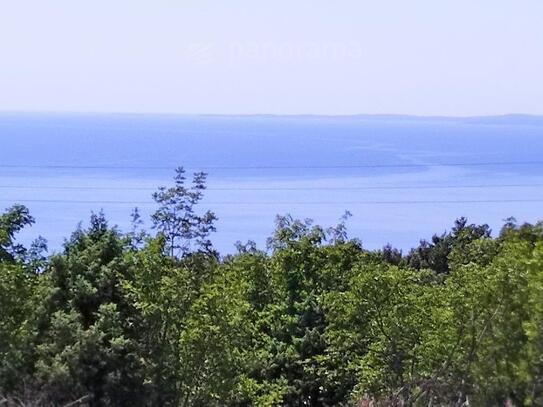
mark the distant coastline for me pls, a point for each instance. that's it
(504, 119)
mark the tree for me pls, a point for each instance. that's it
(306, 264)
(85, 345)
(435, 254)
(161, 290)
(177, 219)
(20, 290)
(12, 222)
(215, 344)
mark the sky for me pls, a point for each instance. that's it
(422, 57)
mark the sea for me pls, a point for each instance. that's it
(402, 178)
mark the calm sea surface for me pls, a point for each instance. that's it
(402, 178)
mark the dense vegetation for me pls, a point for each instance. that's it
(314, 320)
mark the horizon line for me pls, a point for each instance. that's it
(271, 115)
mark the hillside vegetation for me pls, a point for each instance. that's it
(159, 318)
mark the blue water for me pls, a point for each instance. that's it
(260, 166)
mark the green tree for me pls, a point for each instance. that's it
(435, 254)
(306, 263)
(85, 346)
(12, 222)
(20, 294)
(176, 218)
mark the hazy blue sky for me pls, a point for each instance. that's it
(450, 57)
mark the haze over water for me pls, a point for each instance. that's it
(379, 168)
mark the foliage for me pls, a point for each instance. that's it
(315, 320)
(176, 218)
(11, 222)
